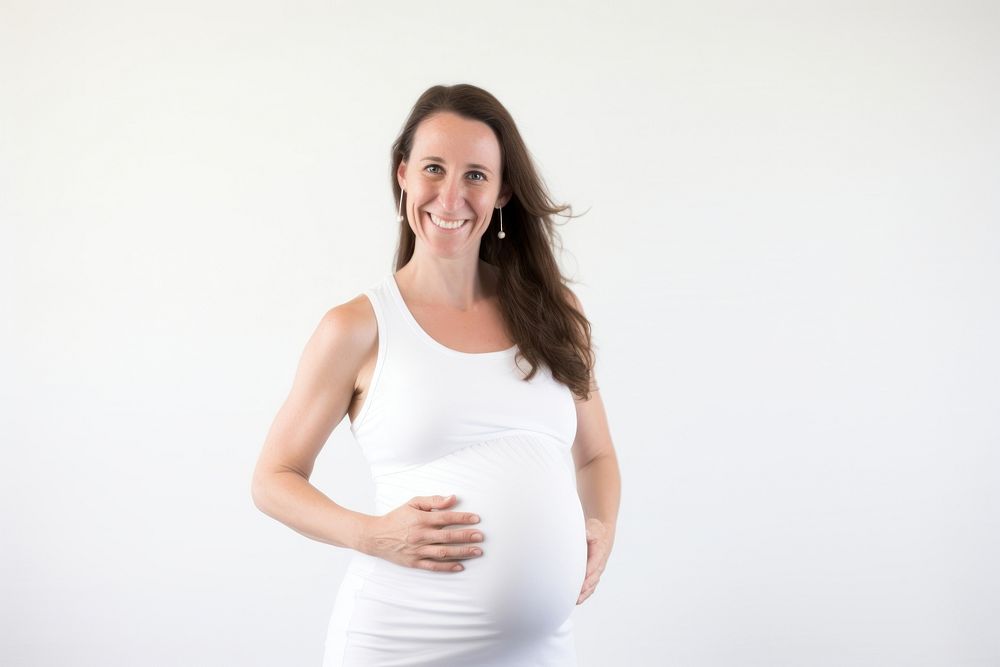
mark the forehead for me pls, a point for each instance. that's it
(455, 138)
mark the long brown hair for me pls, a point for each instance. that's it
(533, 294)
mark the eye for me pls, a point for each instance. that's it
(471, 172)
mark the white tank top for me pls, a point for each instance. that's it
(426, 400)
(437, 421)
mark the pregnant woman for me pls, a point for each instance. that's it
(468, 377)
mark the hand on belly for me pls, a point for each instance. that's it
(534, 534)
(417, 534)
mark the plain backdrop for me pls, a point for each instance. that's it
(789, 253)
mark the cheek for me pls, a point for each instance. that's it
(484, 205)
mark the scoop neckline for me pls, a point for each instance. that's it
(427, 338)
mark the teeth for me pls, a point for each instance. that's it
(446, 224)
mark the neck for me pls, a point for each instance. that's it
(457, 285)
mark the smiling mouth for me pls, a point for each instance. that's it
(446, 224)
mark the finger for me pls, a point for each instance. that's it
(427, 503)
(438, 552)
(450, 518)
(439, 566)
(452, 536)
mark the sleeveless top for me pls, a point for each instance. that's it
(426, 400)
(437, 421)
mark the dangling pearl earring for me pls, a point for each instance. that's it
(399, 213)
(501, 234)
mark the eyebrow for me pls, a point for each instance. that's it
(471, 165)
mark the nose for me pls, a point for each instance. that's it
(452, 194)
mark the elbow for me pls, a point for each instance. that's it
(262, 486)
(258, 492)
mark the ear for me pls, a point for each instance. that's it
(401, 174)
(506, 192)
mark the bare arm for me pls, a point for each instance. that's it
(598, 480)
(597, 474)
(321, 393)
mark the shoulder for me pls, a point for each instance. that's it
(585, 328)
(346, 332)
(351, 319)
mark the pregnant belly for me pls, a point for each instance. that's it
(527, 581)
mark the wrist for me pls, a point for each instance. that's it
(362, 528)
(607, 525)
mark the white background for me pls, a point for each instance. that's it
(789, 256)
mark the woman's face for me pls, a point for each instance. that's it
(453, 174)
